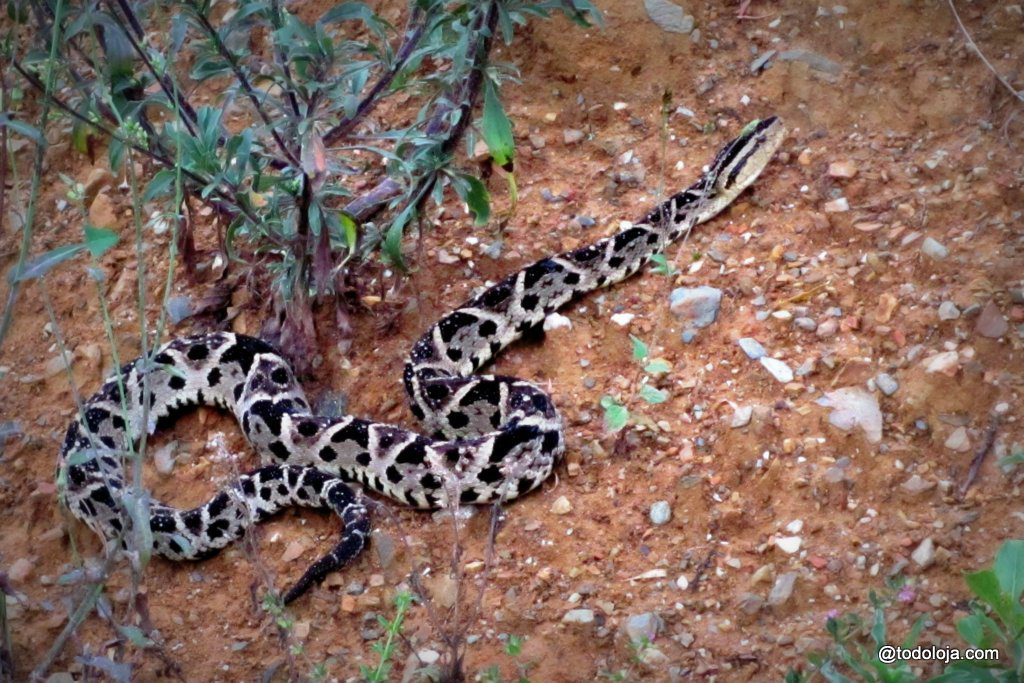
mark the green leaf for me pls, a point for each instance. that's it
(640, 350)
(496, 128)
(392, 246)
(135, 635)
(80, 137)
(115, 152)
(99, 240)
(42, 264)
(658, 366)
(985, 585)
(971, 630)
(652, 395)
(615, 414)
(161, 184)
(1009, 569)
(21, 128)
(476, 197)
(350, 229)
(662, 266)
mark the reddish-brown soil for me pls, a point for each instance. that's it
(936, 149)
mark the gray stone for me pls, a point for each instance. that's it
(886, 383)
(578, 616)
(948, 311)
(178, 308)
(752, 348)
(741, 417)
(934, 249)
(696, 307)
(669, 16)
(331, 403)
(661, 513)
(572, 135)
(643, 627)
(783, 589)
(750, 603)
(916, 484)
(762, 61)
(924, 553)
(807, 324)
(812, 59)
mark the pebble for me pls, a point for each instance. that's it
(21, 569)
(807, 324)
(661, 513)
(556, 321)
(924, 554)
(571, 136)
(750, 603)
(948, 311)
(783, 589)
(886, 383)
(842, 169)
(812, 59)
(537, 141)
(741, 416)
(446, 258)
(789, 544)
(688, 336)
(958, 440)
(762, 61)
(293, 551)
(946, 363)
(623, 319)
(752, 348)
(643, 626)
(917, 484)
(585, 221)
(840, 205)
(934, 249)
(777, 369)
(561, 506)
(178, 308)
(697, 307)
(578, 616)
(991, 322)
(163, 457)
(827, 328)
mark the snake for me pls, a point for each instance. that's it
(486, 438)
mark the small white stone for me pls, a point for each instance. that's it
(777, 369)
(682, 583)
(924, 554)
(623, 319)
(579, 616)
(796, 526)
(837, 205)
(561, 506)
(945, 362)
(789, 544)
(934, 249)
(557, 321)
(752, 348)
(741, 417)
(661, 513)
(958, 440)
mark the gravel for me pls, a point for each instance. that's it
(578, 616)
(696, 307)
(948, 311)
(783, 589)
(752, 348)
(777, 369)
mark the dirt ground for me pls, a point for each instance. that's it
(828, 272)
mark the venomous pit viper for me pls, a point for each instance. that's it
(494, 438)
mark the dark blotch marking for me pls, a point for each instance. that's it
(354, 431)
(490, 475)
(414, 453)
(430, 481)
(487, 328)
(279, 450)
(363, 459)
(244, 352)
(308, 428)
(469, 497)
(394, 476)
(218, 504)
(198, 352)
(529, 302)
(328, 454)
(279, 376)
(572, 279)
(213, 377)
(177, 383)
(458, 420)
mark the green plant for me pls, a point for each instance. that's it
(278, 156)
(997, 644)
(386, 650)
(513, 648)
(998, 592)
(616, 414)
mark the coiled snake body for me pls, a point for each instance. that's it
(495, 438)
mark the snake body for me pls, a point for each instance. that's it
(493, 438)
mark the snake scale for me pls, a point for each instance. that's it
(494, 438)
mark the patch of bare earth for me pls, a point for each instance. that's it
(905, 142)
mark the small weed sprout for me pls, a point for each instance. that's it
(386, 650)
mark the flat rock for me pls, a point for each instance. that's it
(782, 590)
(958, 440)
(812, 59)
(842, 169)
(643, 627)
(752, 348)
(777, 369)
(945, 363)
(741, 416)
(854, 407)
(571, 136)
(578, 616)
(661, 513)
(948, 311)
(991, 322)
(669, 16)
(924, 554)
(886, 383)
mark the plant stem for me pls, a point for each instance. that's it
(37, 176)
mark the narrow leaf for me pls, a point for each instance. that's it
(652, 395)
(1009, 568)
(42, 264)
(496, 128)
(640, 350)
(99, 240)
